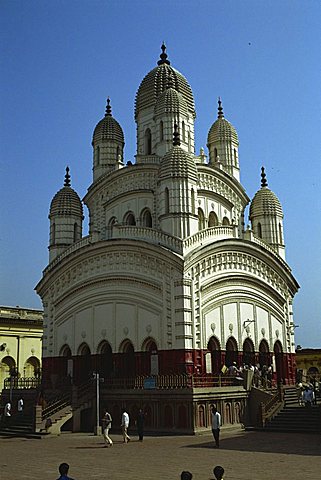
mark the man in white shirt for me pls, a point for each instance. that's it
(124, 426)
(20, 405)
(216, 425)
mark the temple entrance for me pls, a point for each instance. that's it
(150, 357)
(128, 363)
(215, 356)
(105, 365)
(264, 354)
(248, 352)
(231, 351)
(279, 364)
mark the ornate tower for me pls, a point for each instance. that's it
(266, 217)
(66, 216)
(223, 144)
(108, 145)
(163, 98)
(177, 186)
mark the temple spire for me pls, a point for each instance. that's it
(263, 178)
(163, 56)
(67, 178)
(108, 108)
(176, 139)
(220, 108)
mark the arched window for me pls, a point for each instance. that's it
(31, 367)
(193, 200)
(161, 130)
(215, 154)
(201, 219)
(183, 132)
(53, 234)
(146, 218)
(75, 232)
(235, 157)
(225, 221)
(83, 349)
(150, 357)
(166, 200)
(148, 142)
(65, 351)
(201, 416)
(280, 234)
(129, 219)
(97, 155)
(259, 230)
(212, 220)
(189, 141)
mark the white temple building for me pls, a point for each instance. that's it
(169, 280)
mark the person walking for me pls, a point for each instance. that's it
(140, 424)
(124, 426)
(7, 414)
(307, 396)
(106, 424)
(20, 405)
(216, 425)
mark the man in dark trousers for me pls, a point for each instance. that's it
(216, 425)
(140, 424)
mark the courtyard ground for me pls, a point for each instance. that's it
(244, 455)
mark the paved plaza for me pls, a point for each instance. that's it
(244, 455)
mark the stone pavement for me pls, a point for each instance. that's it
(244, 455)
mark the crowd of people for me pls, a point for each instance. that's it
(262, 375)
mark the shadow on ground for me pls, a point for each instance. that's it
(268, 442)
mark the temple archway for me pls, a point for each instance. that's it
(231, 351)
(215, 351)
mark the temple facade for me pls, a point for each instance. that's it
(170, 280)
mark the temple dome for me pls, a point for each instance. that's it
(178, 163)
(66, 202)
(108, 128)
(265, 202)
(156, 81)
(171, 101)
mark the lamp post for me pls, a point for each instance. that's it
(97, 428)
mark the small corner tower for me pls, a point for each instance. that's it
(266, 216)
(223, 145)
(108, 145)
(66, 216)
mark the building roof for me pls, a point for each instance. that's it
(66, 201)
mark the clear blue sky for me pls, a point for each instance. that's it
(61, 59)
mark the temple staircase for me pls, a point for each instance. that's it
(293, 417)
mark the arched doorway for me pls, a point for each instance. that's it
(248, 352)
(264, 354)
(150, 364)
(31, 367)
(105, 359)
(231, 351)
(215, 353)
(279, 366)
(84, 367)
(128, 363)
(7, 366)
